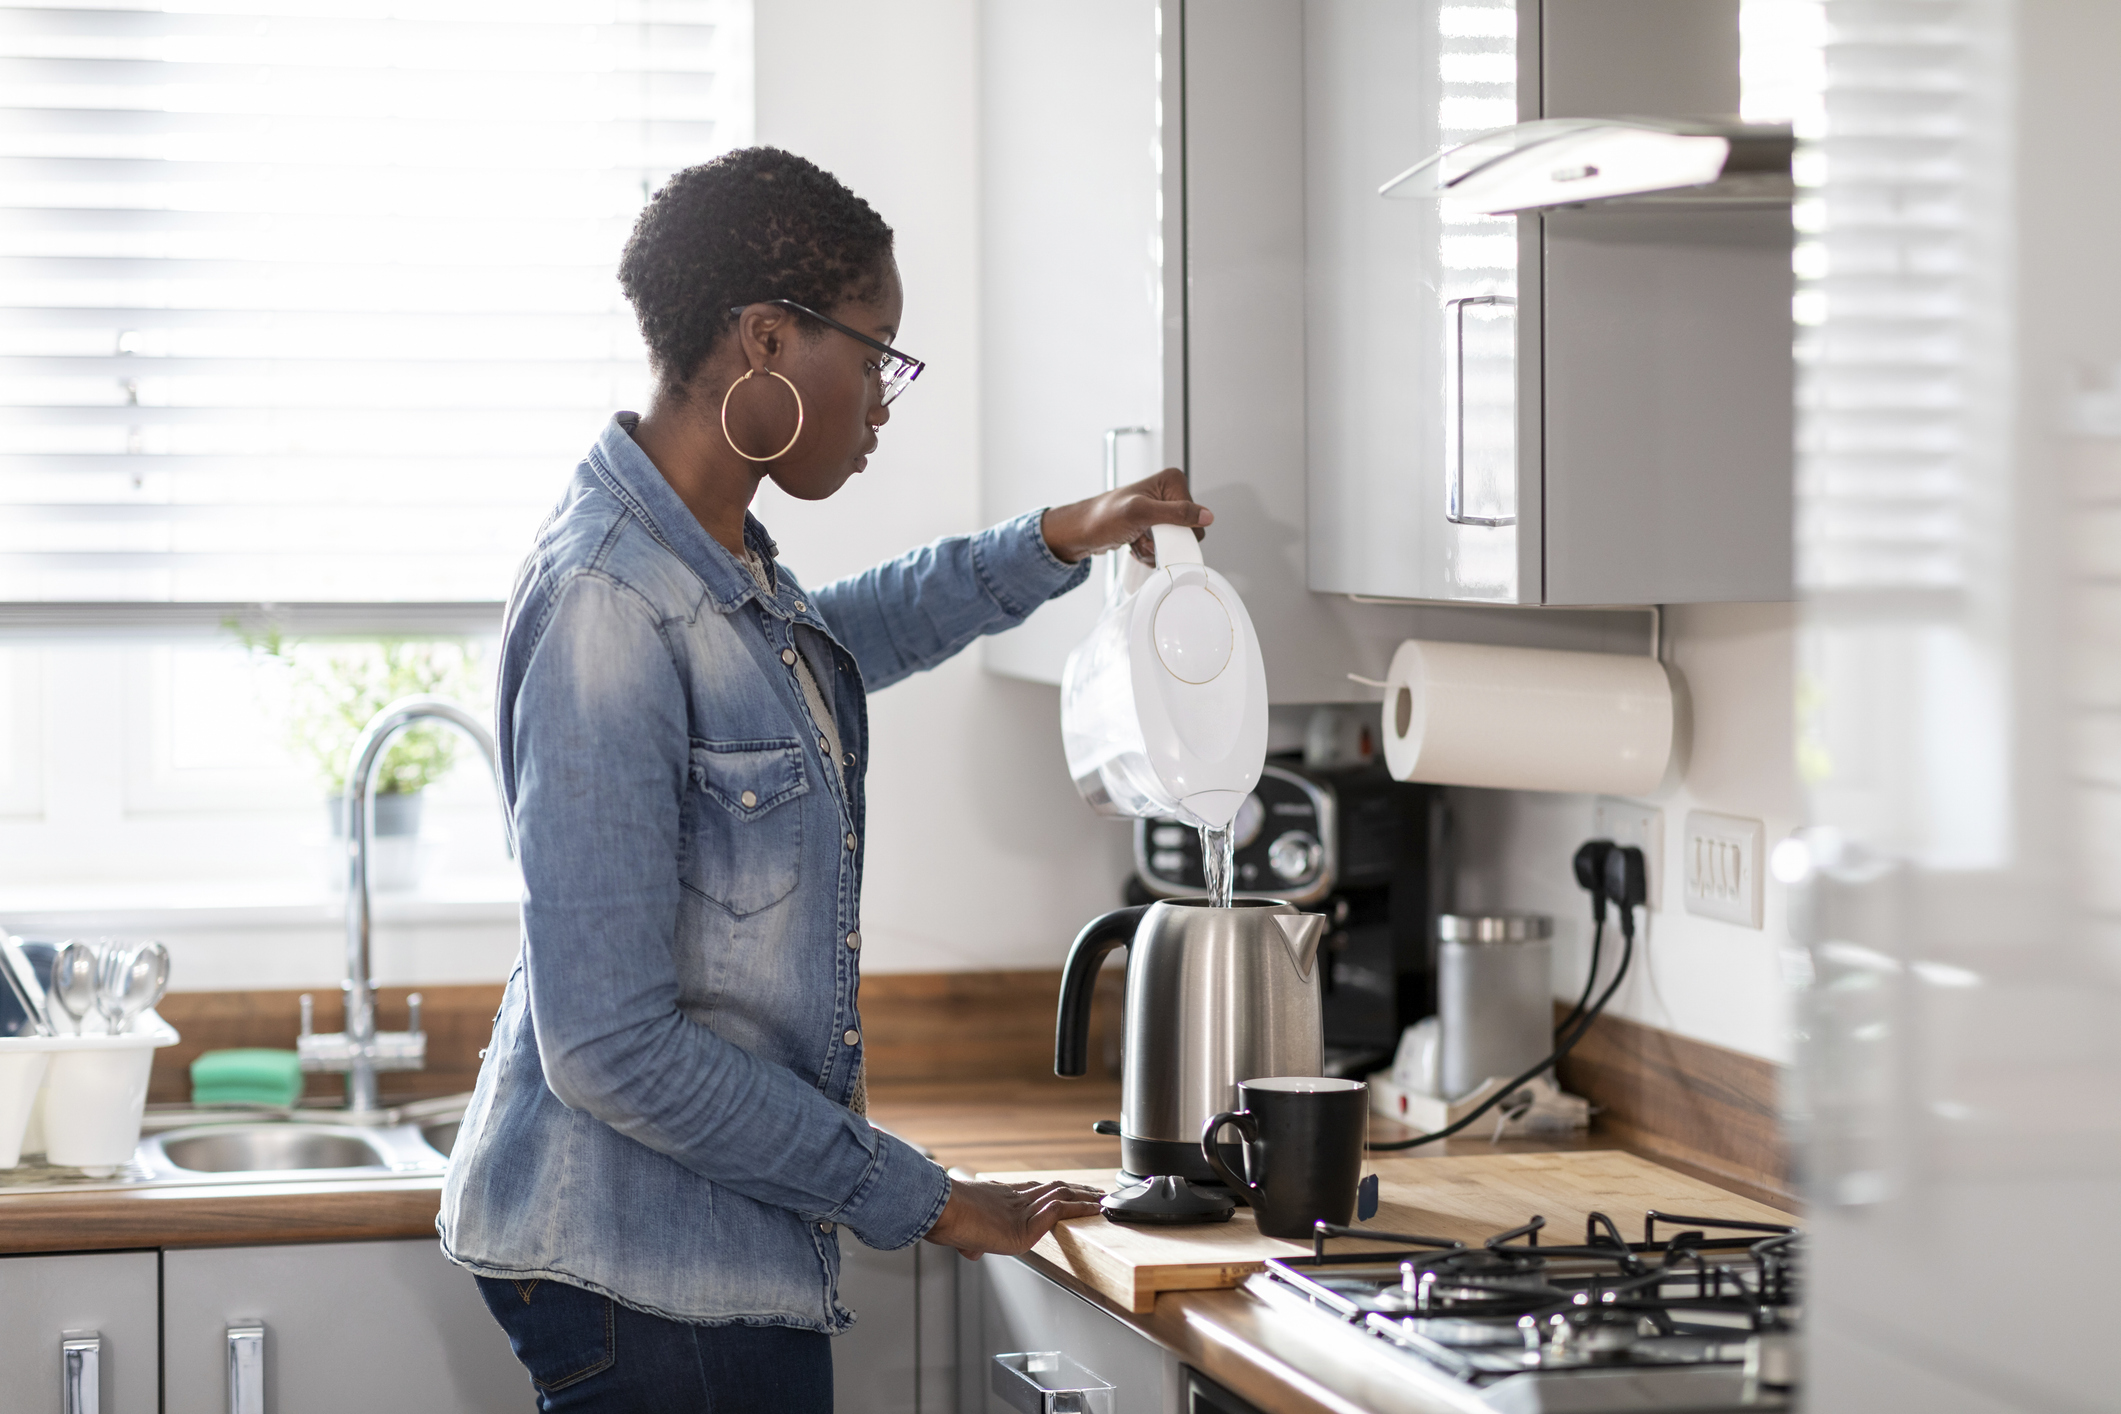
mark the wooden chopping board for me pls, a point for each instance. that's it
(1469, 1199)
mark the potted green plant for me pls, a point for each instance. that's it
(334, 687)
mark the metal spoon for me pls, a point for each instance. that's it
(134, 979)
(155, 959)
(73, 987)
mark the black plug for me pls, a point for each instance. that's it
(1590, 873)
(1627, 884)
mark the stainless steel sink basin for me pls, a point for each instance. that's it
(275, 1148)
(254, 1151)
(441, 1135)
(190, 1147)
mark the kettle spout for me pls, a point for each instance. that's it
(1302, 932)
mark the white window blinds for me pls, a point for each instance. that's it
(315, 300)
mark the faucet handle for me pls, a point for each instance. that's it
(309, 1013)
(412, 1007)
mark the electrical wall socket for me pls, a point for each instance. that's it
(1626, 822)
(1722, 861)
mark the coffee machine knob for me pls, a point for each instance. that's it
(1294, 856)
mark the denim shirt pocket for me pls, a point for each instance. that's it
(744, 831)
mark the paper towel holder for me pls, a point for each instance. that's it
(1514, 718)
(1655, 611)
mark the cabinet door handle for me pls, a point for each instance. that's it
(1048, 1382)
(1116, 559)
(246, 1369)
(1455, 407)
(80, 1372)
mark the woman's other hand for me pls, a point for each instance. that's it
(1007, 1218)
(1123, 517)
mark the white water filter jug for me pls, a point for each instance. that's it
(1164, 705)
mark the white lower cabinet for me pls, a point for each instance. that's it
(347, 1326)
(104, 1304)
(899, 1356)
(1004, 1307)
(362, 1326)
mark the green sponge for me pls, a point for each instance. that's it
(247, 1077)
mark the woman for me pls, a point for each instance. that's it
(668, 1138)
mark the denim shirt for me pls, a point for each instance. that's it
(662, 1115)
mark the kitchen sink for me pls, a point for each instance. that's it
(255, 1151)
(259, 1148)
(188, 1147)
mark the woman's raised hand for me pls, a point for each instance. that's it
(1123, 517)
(1007, 1218)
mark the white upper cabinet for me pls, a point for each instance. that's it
(1586, 406)
(1381, 400)
(1072, 282)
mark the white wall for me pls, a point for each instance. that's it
(1711, 980)
(980, 854)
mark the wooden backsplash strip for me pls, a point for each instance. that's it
(458, 1021)
(1710, 1109)
(928, 1026)
(922, 1026)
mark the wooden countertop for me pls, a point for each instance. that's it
(974, 1125)
(219, 1215)
(968, 1125)
(1226, 1335)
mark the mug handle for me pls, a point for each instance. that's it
(1249, 1128)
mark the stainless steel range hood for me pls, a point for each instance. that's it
(1656, 162)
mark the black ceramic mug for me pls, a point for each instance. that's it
(1302, 1150)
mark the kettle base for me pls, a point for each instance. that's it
(1167, 1198)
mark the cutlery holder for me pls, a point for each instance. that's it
(94, 1091)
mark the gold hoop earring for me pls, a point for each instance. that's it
(776, 456)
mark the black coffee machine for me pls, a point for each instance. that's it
(1367, 851)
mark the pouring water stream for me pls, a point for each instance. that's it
(1218, 865)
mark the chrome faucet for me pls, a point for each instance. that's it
(360, 1050)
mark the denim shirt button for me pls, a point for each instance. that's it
(850, 839)
(825, 1228)
(800, 606)
(852, 1037)
(788, 656)
(854, 939)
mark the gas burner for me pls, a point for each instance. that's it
(1699, 1320)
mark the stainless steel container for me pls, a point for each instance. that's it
(1495, 996)
(1214, 996)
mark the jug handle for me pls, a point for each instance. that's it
(1175, 545)
(1071, 1029)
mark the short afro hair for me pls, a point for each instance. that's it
(754, 224)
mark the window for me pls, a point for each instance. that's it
(313, 300)
(308, 304)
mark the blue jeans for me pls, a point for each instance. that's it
(587, 1352)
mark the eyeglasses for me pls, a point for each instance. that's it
(894, 368)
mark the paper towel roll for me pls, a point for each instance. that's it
(1463, 714)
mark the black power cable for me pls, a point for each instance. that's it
(1622, 880)
(1590, 865)
(1590, 981)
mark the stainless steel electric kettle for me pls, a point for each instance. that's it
(1214, 996)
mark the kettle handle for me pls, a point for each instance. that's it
(1071, 1029)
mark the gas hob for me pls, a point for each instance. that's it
(1698, 1316)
